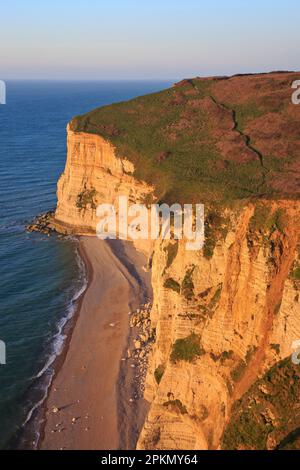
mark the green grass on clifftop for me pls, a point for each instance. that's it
(201, 140)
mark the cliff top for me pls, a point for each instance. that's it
(209, 139)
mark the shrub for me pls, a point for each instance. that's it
(86, 197)
(216, 297)
(295, 275)
(171, 140)
(251, 422)
(277, 308)
(265, 221)
(276, 348)
(171, 250)
(226, 355)
(176, 405)
(238, 372)
(186, 349)
(187, 286)
(172, 284)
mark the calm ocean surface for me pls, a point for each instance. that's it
(41, 277)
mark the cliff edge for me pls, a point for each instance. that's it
(225, 317)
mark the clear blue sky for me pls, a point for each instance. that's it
(121, 39)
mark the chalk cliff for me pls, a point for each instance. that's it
(93, 174)
(239, 300)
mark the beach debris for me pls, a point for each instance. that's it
(55, 409)
(142, 338)
(131, 400)
(112, 324)
(87, 429)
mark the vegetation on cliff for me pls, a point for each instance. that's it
(85, 198)
(208, 139)
(186, 349)
(219, 141)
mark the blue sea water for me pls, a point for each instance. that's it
(41, 277)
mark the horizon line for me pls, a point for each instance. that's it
(153, 79)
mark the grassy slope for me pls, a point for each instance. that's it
(175, 137)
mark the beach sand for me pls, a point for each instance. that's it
(89, 405)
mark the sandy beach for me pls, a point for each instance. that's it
(89, 404)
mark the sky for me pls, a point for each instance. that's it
(146, 39)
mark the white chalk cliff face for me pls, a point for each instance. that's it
(239, 304)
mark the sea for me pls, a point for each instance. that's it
(41, 277)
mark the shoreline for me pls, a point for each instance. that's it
(68, 332)
(89, 405)
(30, 435)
